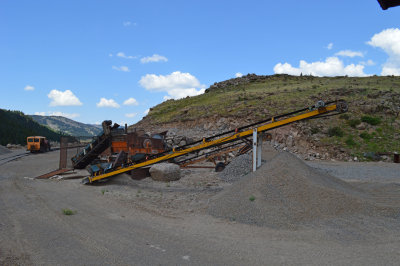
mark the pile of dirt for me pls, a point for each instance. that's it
(4, 150)
(285, 192)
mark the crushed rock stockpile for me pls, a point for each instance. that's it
(4, 150)
(285, 192)
(237, 168)
(243, 164)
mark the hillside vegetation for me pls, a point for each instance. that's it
(16, 127)
(67, 126)
(371, 125)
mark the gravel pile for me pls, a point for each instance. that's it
(4, 150)
(237, 168)
(285, 192)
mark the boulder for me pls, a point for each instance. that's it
(165, 172)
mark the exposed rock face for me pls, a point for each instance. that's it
(173, 139)
(165, 172)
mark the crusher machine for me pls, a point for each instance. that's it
(223, 141)
(115, 147)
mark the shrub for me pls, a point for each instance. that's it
(371, 120)
(354, 122)
(252, 198)
(335, 131)
(68, 212)
(365, 136)
(344, 116)
(350, 142)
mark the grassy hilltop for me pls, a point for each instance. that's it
(371, 125)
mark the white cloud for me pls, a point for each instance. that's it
(131, 101)
(369, 62)
(123, 55)
(29, 88)
(107, 103)
(64, 114)
(131, 115)
(63, 98)
(153, 58)
(329, 46)
(146, 111)
(387, 71)
(110, 55)
(121, 68)
(389, 41)
(349, 53)
(70, 116)
(332, 66)
(238, 75)
(177, 84)
(129, 23)
(167, 97)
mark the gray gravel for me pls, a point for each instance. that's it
(239, 167)
(285, 193)
(363, 171)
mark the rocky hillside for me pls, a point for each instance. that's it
(67, 126)
(371, 127)
(16, 127)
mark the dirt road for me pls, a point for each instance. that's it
(110, 227)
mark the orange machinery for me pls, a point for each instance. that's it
(37, 144)
(136, 145)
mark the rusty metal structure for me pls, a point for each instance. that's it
(116, 147)
(135, 144)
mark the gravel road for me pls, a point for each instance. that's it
(108, 229)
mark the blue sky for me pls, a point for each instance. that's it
(97, 60)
